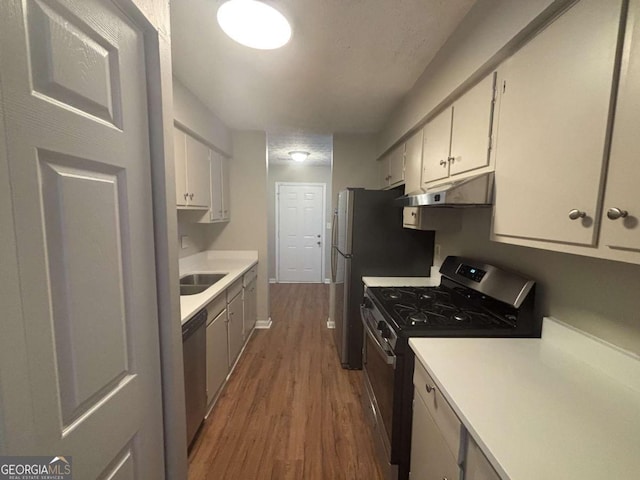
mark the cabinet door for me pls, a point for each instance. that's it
(552, 127)
(180, 160)
(471, 128)
(250, 308)
(235, 325)
(217, 355)
(198, 185)
(476, 466)
(226, 198)
(396, 166)
(216, 187)
(413, 162)
(624, 163)
(436, 147)
(383, 172)
(431, 458)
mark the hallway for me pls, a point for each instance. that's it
(289, 411)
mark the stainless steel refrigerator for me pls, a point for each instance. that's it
(368, 239)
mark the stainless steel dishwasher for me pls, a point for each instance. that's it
(194, 351)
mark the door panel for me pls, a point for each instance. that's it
(300, 222)
(553, 126)
(624, 172)
(217, 355)
(198, 183)
(471, 128)
(436, 146)
(75, 113)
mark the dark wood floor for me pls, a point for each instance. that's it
(289, 411)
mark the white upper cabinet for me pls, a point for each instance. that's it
(458, 140)
(471, 128)
(391, 168)
(198, 173)
(621, 212)
(180, 158)
(413, 162)
(552, 130)
(435, 151)
(191, 170)
(220, 211)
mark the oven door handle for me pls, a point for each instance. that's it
(388, 357)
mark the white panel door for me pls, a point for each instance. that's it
(300, 227)
(74, 104)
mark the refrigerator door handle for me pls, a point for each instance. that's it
(334, 264)
(334, 232)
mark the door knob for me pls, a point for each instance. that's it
(319, 243)
(576, 214)
(616, 213)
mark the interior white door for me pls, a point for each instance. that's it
(74, 102)
(300, 222)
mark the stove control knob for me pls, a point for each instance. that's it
(381, 325)
(366, 303)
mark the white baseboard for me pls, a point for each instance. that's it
(272, 280)
(331, 323)
(327, 280)
(263, 324)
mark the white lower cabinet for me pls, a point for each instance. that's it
(476, 466)
(217, 355)
(441, 449)
(431, 458)
(234, 327)
(250, 294)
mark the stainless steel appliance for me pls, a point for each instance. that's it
(368, 239)
(194, 344)
(475, 191)
(473, 300)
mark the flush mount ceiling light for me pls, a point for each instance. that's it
(254, 24)
(299, 156)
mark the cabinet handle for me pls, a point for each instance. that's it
(413, 214)
(430, 388)
(443, 162)
(451, 159)
(191, 196)
(186, 195)
(576, 214)
(616, 213)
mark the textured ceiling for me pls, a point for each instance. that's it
(348, 64)
(320, 148)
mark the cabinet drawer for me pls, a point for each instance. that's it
(250, 275)
(216, 306)
(477, 467)
(234, 290)
(441, 412)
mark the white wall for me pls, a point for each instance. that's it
(597, 296)
(353, 162)
(198, 120)
(247, 229)
(488, 33)
(297, 173)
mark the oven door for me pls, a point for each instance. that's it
(378, 365)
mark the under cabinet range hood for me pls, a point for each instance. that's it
(476, 191)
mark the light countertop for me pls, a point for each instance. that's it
(566, 406)
(431, 281)
(233, 263)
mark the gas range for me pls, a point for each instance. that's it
(472, 300)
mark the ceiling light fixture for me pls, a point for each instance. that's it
(299, 156)
(254, 24)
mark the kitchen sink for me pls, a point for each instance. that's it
(207, 279)
(192, 289)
